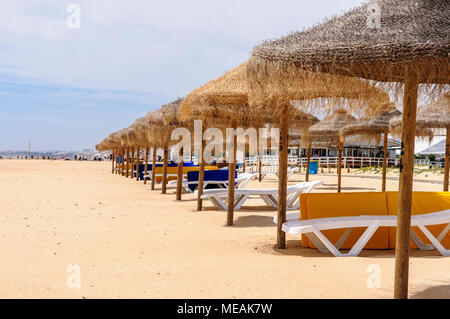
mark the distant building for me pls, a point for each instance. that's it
(352, 148)
(437, 149)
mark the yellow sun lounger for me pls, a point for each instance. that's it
(315, 206)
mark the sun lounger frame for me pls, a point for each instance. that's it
(270, 196)
(313, 228)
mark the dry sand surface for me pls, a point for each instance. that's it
(131, 242)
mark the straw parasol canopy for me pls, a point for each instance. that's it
(154, 125)
(160, 123)
(111, 142)
(433, 116)
(170, 114)
(141, 135)
(224, 102)
(327, 132)
(328, 129)
(370, 128)
(374, 41)
(131, 137)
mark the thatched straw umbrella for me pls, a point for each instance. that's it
(171, 119)
(371, 128)
(155, 129)
(221, 103)
(133, 141)
(224, 102)
(401, 41)
(327, 130)
(116, 140)
(310, 91)
(113, 145)
(433, 116)
(158, 127)
(139, 127)
(122, 137)
(106, 145)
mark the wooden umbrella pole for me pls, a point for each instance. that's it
(146, 165)
(122, 161)
(113, 152)
(201, 178)
(282, 179)
(447, 161)
(119, 156)
(128, 162)
(231, 186)
(154, 167)
(244, 157)
(180, 173)
(132, 162)
(138, 155)
(164, 177)
(406, 185)
(385, 154)
(259, 161)
(339, 168)
(308, 161)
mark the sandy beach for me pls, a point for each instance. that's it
(131, 242)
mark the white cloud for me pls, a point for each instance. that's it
(169, 47)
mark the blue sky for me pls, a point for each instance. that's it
(68, 88)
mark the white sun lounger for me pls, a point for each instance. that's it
(270, 196)
(241, 181)
(313, 228)
(274, 170)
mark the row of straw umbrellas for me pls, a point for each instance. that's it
(342, 63)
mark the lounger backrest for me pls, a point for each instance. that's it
(323, 205)
(318, 205)
(422, 203)
(210, 175)
(174, 171)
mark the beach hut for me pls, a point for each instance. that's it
(433, 116)
(396, 41)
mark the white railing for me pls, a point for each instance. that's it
(347, 162)
(427, 162)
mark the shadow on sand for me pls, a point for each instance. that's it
(295, 248)
(253, 221)
(437, 292)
